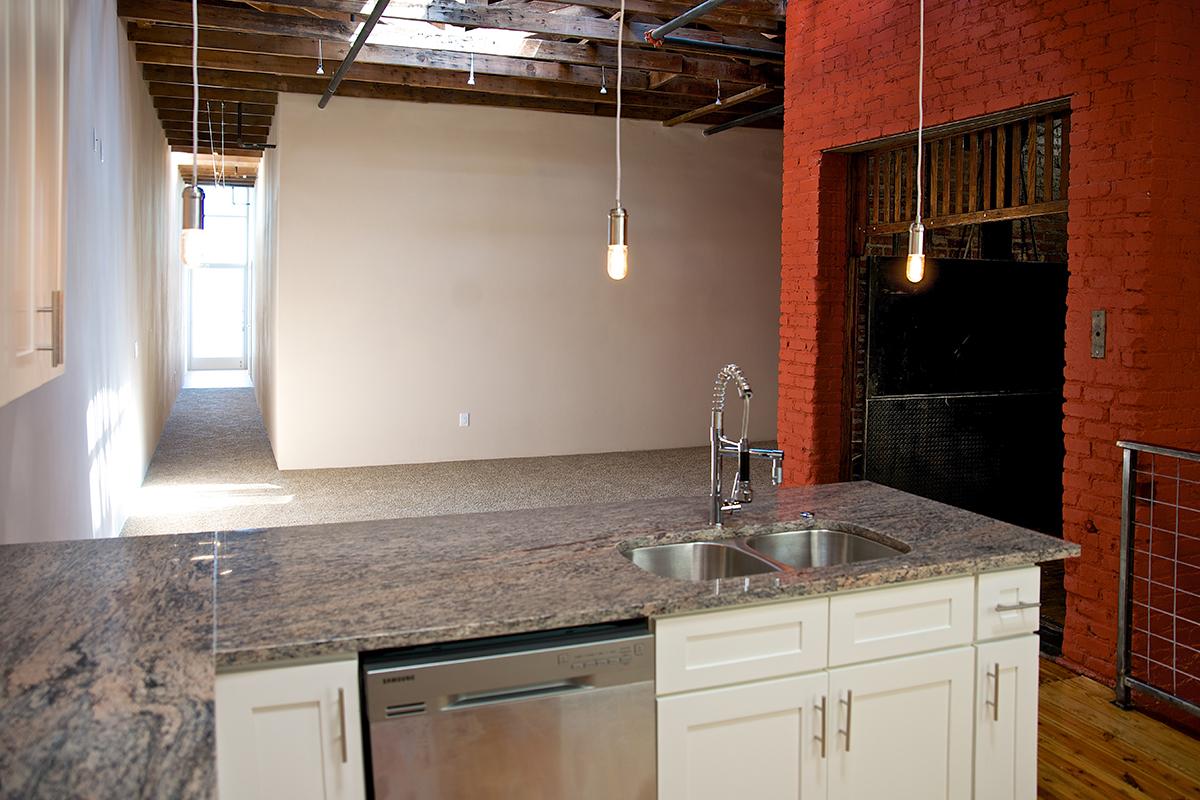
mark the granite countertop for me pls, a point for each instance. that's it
(108, 648)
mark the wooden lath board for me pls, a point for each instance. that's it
(1007, 171)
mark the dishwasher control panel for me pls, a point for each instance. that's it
(508, 669)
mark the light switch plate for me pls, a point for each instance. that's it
(464, 419)
(1099, 324)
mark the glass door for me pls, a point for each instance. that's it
(217, 291)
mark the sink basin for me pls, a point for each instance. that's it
(819, 547)
(698, 561)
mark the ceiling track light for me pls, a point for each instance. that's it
(191, 237)
(914, 268)
(618, 217)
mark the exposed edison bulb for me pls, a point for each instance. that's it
(914, 270)
(618, 261)
(191, 247)
(618, 243)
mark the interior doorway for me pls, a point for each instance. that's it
(218, 296)
(956, 387)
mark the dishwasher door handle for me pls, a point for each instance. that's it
(508, 695)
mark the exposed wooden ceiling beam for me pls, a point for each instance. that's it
(185, 115)
(723, 105)
(418, 94)
(180, 13)
(180, 146)
(733, 14)
(184, 127)
(456, 57)
(183, 105)
(516, 18)
(296, 75)
(513, 18)
(184, 90)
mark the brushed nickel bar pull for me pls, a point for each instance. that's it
(823, 737)
(849, 701)
(55, 310)
(995, 693)
(342, 722)
(1002, 607)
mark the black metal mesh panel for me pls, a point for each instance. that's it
(997, 454)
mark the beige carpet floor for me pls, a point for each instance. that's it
(214, 470)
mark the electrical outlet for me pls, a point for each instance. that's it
(464, 419)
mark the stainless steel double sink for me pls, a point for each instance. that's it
(800, 549)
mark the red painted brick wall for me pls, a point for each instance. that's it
(1133, 233)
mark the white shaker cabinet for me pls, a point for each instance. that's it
(32, 103)
(902, 728)
(1006, 719)
(760, 739)
(291, 732)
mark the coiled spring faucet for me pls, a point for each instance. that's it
(743, 491)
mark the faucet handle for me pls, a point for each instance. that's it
(776, 471)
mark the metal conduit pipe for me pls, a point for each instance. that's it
(746, 120)
(724, 48)
(656, 36)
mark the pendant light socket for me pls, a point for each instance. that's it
(191, 251)
(914, 270)
(618, 243)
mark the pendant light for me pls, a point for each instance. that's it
(191, 238)
(618, 218)
(914, 270)
(320, 59)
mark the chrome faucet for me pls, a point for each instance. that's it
(743, 491)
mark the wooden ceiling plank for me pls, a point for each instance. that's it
(174, 89)
(386, 56)
(185, 115)
(516, 18)
(724, 105)
(444, 44)
(180, 13)
(183, 105)
(302, 80)
(730, 14)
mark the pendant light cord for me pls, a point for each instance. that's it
(195, 92)
(620, 76)
(920, 109)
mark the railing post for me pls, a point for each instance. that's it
(1124, 595)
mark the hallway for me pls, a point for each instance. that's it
(214, 470)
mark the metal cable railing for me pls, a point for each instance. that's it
(1158, 616)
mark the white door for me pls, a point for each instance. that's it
(901, 729)
(1006, 719)
(290, 732)
(760, 740)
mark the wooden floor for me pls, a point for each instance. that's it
(1089, 748)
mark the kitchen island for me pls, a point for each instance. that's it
(109, 649)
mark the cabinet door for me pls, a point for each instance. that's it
(1006, 719)
(32, 97)
(760, 740)
(901, 728)
(290, 732)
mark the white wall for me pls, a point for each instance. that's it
(436, 258)
(73, 451)
(263, 289)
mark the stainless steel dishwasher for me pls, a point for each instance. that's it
(542, 716)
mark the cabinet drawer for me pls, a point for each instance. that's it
(699, 651)
(1008, 603)
(901, 620)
